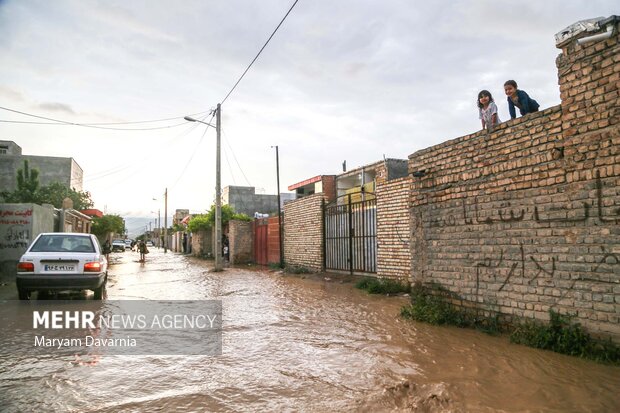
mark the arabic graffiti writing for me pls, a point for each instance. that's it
(566, 213)
(17, 233)
(15, 230)
(532, 268)
(18, 213)
(13, 245)
(523, 252)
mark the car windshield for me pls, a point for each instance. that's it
(63, 243)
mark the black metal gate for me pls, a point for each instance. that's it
(350, 236)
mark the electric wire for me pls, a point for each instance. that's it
(102, 125)
(259, 52)
(117, 169)
(88, 124)
(195, 150)
(235, 158)
(232, 175)
(63, 123)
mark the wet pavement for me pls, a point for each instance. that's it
(301, 344)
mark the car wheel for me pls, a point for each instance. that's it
(23, 294)
(100, 292)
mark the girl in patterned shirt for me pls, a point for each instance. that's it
(487, 110)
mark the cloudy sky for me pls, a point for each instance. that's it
(341, 79)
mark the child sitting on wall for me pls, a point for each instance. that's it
(487, 110)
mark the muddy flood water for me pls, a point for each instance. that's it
(294, 344)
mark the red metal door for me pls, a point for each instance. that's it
(260, 241)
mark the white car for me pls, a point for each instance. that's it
(62, 261)
(118, 245)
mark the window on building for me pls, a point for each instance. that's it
(4, 150)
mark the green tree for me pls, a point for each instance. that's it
(56, 192)
(27, 185)
(107, 224)
(201, 222)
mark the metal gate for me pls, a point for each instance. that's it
(350, 236)
(261, 241)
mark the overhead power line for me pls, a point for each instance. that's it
(91, 126)
(94, 125)
(194, 151)
(232, 175)
(235, 157)
(137, 162)
(260, 51)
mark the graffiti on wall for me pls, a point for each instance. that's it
(468, 217)
(533, 267)
(15, 228)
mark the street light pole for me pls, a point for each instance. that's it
(165, 220)
(218, 193)
(218, 186)
(158, 223)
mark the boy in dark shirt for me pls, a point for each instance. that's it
(519, 99)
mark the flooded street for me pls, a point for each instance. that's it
(293, 344)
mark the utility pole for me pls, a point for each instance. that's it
(218, 186)
(158, 228)
(218, 193)
(279, 209)
(165, 219)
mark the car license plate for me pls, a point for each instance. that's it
(58, 267)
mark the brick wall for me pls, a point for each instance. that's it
(588, 78)
(527, 219)
(240, 242)
(329, 187)
(202, 243)
(393, 229)
(303, 232)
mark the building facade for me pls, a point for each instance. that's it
(245, 200)
(51, 169)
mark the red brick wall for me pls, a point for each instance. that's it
(329, 187)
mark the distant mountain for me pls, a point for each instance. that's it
(139, 225)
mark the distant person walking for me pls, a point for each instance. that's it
(487, 110)
(520, 99)
(143, 250)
